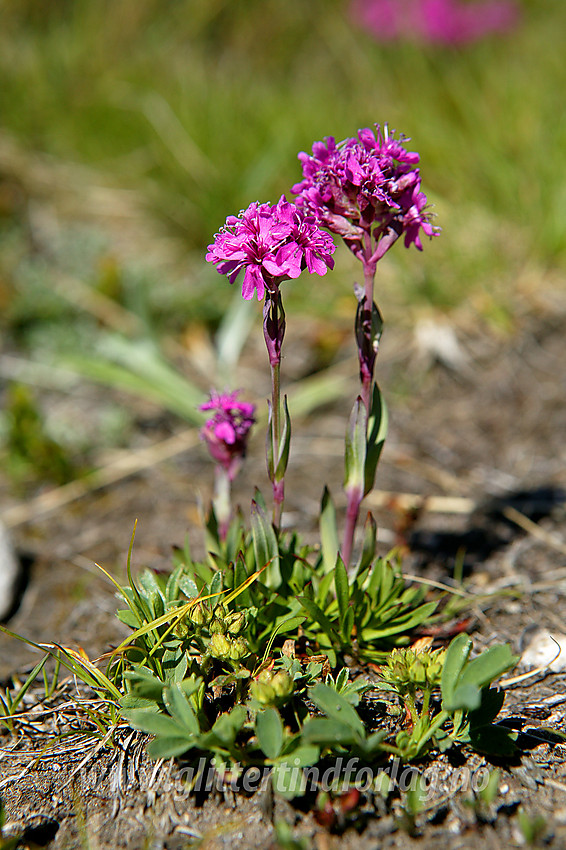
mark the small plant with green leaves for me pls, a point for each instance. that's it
(243, 656)
(465, 705)
(483, 800)
(11, 700)
(533, 827)
(29, 452)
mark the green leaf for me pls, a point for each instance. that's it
(380, 582)
(148, 581)
(490, 665)
(329, 543)
(287, 783)
(323, 589)
(492, 700)
(129, 701)
(270, 733)
(180, 708)
(328, 732)
(217, 583)
(297, 754)
(138, 367)
(225, 728)
(188, 586)
(403, 623)
(155, 724)
(320, 617)
(373, 742)
(266, 548)
(169, 746)
(377, 432)
(347, 626)
(128, 618)
(456, 656)
(466, 697)
(355, 451)
(240, 576)
(337, 707)
(144, 684)
(285, 625)
(342, 587)
(369, 544)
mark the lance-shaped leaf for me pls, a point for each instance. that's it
(377, 432)
(277, 460)
(355, 454)
(342, 587)
(329, 543)
(369, 544)
(266, 548)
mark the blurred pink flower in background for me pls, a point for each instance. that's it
(437, 21)
(226, 432)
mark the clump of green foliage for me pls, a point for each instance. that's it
(226, 660)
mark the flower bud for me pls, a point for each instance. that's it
(272, 688)
(217, 626)
(235, 622)
(181, 629)
(262, 692)
(282, 684)
(238, 648)
(199, 614)
(220, 647)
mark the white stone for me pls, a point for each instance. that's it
(545, 649)
(9, 573)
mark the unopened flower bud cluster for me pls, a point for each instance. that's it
(408, 670)
(272, 688)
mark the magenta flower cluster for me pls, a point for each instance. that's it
(450, 22)
(366, 184)
(270, 244)
(226, 432)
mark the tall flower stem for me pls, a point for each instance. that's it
(278, 486)
(221, 500)
(368, 329)
(274, 331)
(367, 349)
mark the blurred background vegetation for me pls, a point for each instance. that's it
(130, 129)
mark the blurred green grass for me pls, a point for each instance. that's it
(130, 129)
(202, 107)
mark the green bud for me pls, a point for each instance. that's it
(199, 614)
(235, 622)
(262, 692)
(419, 673)
(272, 688)
(220, 646)
(217, 627)
(181, 629)
(238, 649)
(282, 684)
